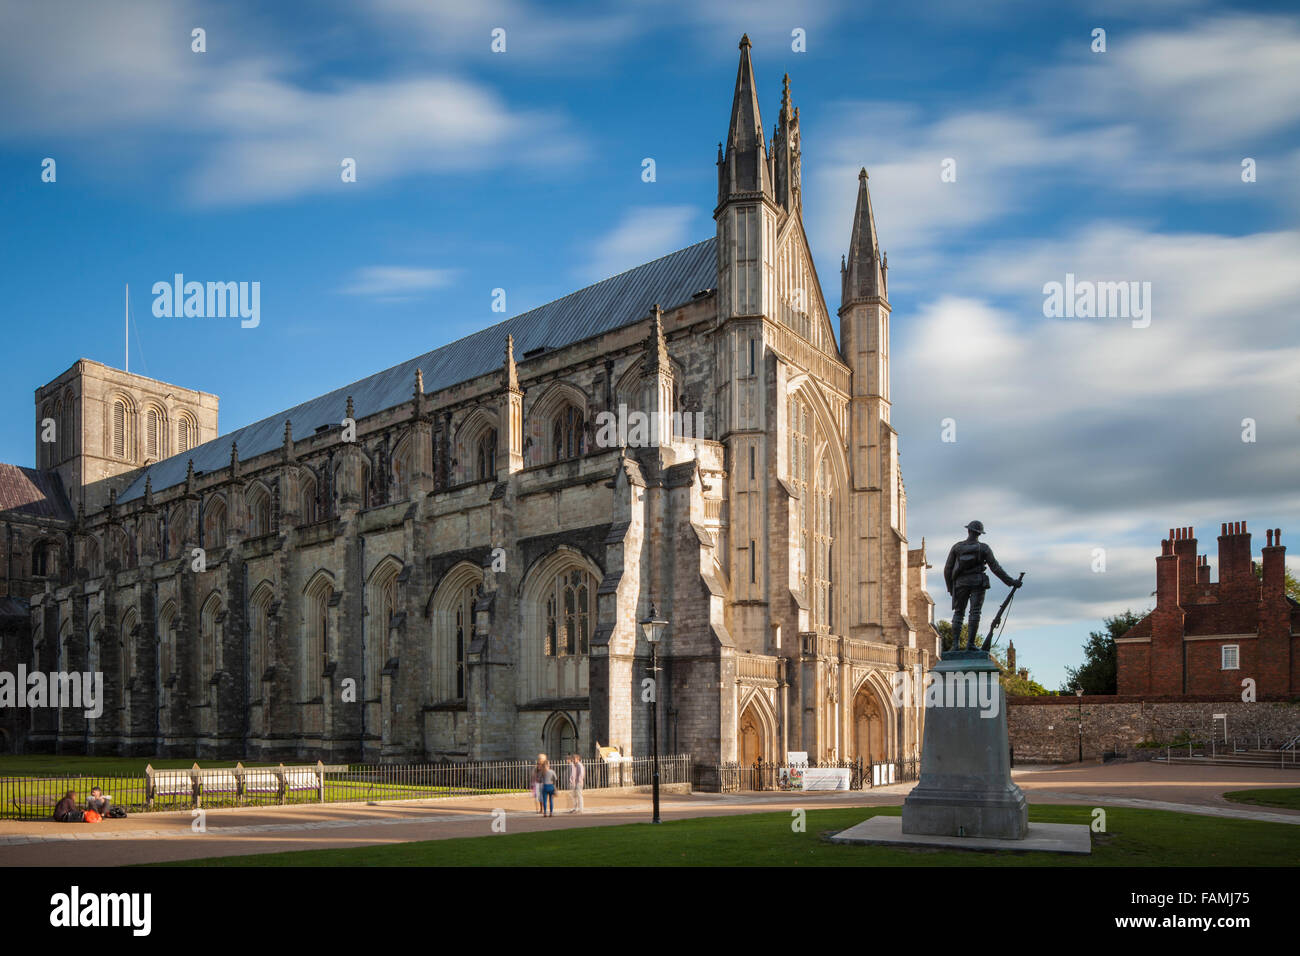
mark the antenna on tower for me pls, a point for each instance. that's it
(126, 324)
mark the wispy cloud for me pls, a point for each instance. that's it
(397, 282)
(643, 233)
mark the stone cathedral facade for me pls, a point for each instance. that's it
(450, 559)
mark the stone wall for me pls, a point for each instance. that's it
(1046, 729)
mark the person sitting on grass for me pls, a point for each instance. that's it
(98, 802)
(66, 810)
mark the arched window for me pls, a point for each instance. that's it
(177, 522)
(453, 629)
(309, 500)
(568, 435)
(187, 432)
(90, 556)
(210, 620)
(485, 460)
(127, 633)
(381, 605)
(120, 548)
(259, 510)
(59, 445)
(94, 637)
(167, 640)
(259, 627)
(214, 522)
(823, 547)
(122, 429)
(569, 615)
(45, 559)
(155, 433)
(402, 470)
(800, 427)
(66, 440)
(315, 645)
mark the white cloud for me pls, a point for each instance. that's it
(642, 234)
(242, 118)
(389, 282)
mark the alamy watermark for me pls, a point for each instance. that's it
(67, 689)
(1085, 299)
(949, 689)
(212, 300)
(636, 429)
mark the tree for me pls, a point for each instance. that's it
(1097, 674)
(1289, 583)
(945, 634)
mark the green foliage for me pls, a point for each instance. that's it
(1289, 581)
(945, 634)
(1098, 673)
(1287, 797)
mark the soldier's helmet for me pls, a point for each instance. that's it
(976, 526)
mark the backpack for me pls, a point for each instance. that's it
(117, 813)
(970, 560)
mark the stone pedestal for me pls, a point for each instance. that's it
(965, 788)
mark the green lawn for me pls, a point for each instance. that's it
(54, 765)
(35, 798)
(1287, 797)
(1134, 838)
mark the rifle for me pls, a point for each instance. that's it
(997, 618)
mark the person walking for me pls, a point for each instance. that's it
(548, 788)
(537, 781)
(577, 773)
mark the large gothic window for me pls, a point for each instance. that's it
(381, 605)
(210, 640)
(127, 635)
(259, 655)
(800, 428)
(568, 437)
(569, 614)
(167, 640)
(823, 547)
(402, 456)
(315, 645)
(453, 629)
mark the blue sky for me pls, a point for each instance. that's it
(522, 170)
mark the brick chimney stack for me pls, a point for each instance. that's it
(1203, 571)
(1167, 572)
(1185, 548)
(1274, 565)
(1166, 661)
(1236, 582)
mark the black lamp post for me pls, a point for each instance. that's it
(653, 628)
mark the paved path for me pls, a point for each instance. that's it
(231, 832)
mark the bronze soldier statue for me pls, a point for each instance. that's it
(964, 575)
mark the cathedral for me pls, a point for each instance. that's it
(451, 559)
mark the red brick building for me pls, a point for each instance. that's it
(1206, 637)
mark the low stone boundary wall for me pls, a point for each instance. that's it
(1046, 729)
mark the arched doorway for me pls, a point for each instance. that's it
(868, 727)
(749, 744)
(561, 739)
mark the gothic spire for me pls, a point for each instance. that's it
(744, 168)
(656, 347)
(863, 274)
(510, 371)
(786, 158)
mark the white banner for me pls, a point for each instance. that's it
(826, 778)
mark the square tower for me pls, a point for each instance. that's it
(97, 426)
